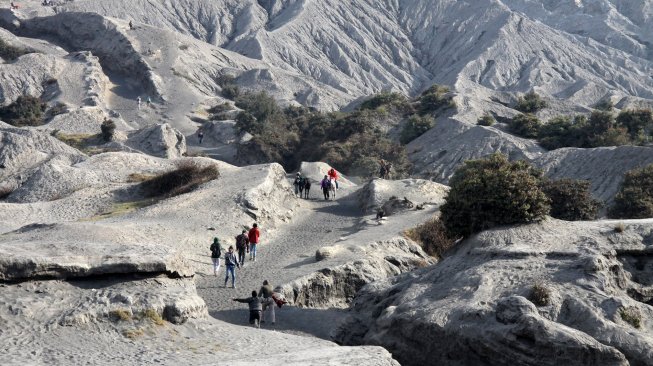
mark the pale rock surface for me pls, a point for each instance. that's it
(472, 307)
(376, 193)
(316, 171)
(159, 140)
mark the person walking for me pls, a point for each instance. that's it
(268, 302)
(242, 246)
(200, 136)
(297, 183)
(216, 252)
(138, 101)
(253, 236)
(255, 308)
(307, 187)
(326, 186)
(131, 25)
(231, 262)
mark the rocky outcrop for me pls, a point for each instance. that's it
(479, 305)
(422, 192)
(160, 140)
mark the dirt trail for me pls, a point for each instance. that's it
(287, 255)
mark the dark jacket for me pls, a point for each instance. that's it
(242, 241)
(255, 303)
(265, 291)
(216, 249)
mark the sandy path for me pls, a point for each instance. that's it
(287, 255)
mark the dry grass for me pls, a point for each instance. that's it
(186, 177)
(123, 208)
(432, 236)
(540, 295)
(120, 314)
(139, 177)
(5, 191)
(133, 333)
(154, 316)
(632, 316)
(84, 142)
(620, 228)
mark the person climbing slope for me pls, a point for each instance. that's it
(255, 308)
(242, 246)
(216, 252)
(230, 262)
(253, 235)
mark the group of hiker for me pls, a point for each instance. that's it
(302, 186)
(386, 168)
(246, 243)
(262, 303)
(329, 185)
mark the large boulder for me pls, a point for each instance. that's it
(478, 306)
(159, 140)
(378, 192)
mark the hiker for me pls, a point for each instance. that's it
(131, 25)
(149, 101)
(138, 100)
(333, 175)
(268, 302)
(307, 187)
(216, 251)
(255, 309)
(388, 169)
(200, 135)
(231, 262)
(326, 186)
(253, 237)
(242, 246)
(297, 183)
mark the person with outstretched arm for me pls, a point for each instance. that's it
(255, 308)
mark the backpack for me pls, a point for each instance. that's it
(216, 250)
(241, 241)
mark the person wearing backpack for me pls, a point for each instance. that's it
(253, 236)
(216, 251)
(326, 186)
(231, 262)
(242, 246)
(297, 183)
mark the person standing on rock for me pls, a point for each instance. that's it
(216, 251)
(326, 186)
(242, 246)
(268, 302)
(253, 236)
(255, 308)
(138, 101)
(231, 262)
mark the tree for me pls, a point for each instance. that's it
(108, 127)
(530, 103)
(571, 200)
(415, 127)
(635, 197)
(525, 125)
(25, 111)
(492, 192)
(638, 122)
(486, 120)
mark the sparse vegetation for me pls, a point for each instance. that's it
(108, 128)
(5, 191)
(133, 333)
(57, 109)
(486, 120)
(83, 142)
(10, 53)
(229, 88)
(530, 103)
(123, 208)
(604, 105)
(525, 125)
(139, 177)
(635, 197)
(540, 295)
(435, 98)
(619, 228)
(395, 100)
(120, 314)
(217, 112)
(433, 237)
(632, 316)
(154, 316)
(492, 192)
(415, 127)
(186, 177)
(571, 200)
(25, 111)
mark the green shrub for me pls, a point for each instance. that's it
(186, 177)
(604, 105)
(433, 237)
(638, 122)
(563, 131)
(246, 122)
(635, 197)
(415, 127)
(25, 111)
(10, 53)
(632, 316)
(525, 125)
(108, 127)
(435, 98)
(492, 192)
(540, 295)
(530, 103)
(486, 120)
(571, 200)
(57, 109)
(385, 99)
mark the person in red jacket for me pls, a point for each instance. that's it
(333, 174)
(253, 236)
